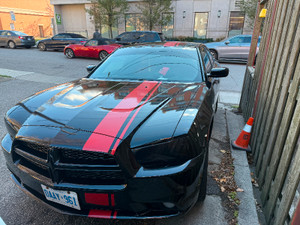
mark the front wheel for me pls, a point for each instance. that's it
(102, 55)
(42, 47)
(11, 44)
(69, 53)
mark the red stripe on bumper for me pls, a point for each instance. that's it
(114, 120)
(101, 214)
(112, 200)
(97, 199)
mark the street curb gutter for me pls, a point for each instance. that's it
(247, 207)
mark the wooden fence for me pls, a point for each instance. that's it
(271, 94)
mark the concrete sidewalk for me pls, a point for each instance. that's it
(247, 207)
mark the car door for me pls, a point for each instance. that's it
(57, 41)
(2, 38)
(212, 83)
(90, 49)
(245, 47)
(231, 49)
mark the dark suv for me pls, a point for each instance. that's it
(133, 37)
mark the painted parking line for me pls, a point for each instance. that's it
(36, 77)
(14, 73)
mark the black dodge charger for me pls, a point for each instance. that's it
(130, 140)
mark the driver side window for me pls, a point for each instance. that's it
(92, 43)
(206, 60)
(236, 40)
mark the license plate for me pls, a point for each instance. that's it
(67, 198)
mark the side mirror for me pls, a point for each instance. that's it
(227, 42)
(118, 39)
(90, 68)
(219, 72)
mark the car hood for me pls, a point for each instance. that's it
(107, 110)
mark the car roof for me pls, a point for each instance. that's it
(175, 44)
(138, 31)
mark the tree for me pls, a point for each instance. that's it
(155, 12)
(107, 12)
(249, 7)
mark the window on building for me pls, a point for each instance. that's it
(238, 3)
(105, 32)
(133, 22)
(168, 29)
(236, 23)
(41, 30)
(200, 27)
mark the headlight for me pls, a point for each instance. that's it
(166, 154)
(11, 127)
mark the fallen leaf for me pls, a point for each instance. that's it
(222, 189)
(239, 190)
(223, 180)
(223, 151)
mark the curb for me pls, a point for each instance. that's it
(247, 207)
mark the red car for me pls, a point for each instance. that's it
(98, 49)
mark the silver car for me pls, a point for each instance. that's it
(13, 39)
(234, 49)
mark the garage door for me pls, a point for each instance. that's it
(74, 19)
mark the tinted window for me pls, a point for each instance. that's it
(246, 39)
(92, 43)
(127, 37)
(2, 32)
(206, 59)
(18, 33)
(151, 63)
(236, 40)
(76, 36)
(148, 37)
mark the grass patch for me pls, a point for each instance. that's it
(5, 76)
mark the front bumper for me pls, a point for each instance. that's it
(149, 194)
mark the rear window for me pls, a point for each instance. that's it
(161, 63)
(18, 33)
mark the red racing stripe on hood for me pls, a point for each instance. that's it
(114, 120)
(128, 124)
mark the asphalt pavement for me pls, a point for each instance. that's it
(32, 71)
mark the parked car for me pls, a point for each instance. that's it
(13, 39)
(95, 48)
(133, 37)
(60, 41)
(232, 49)
(130, 140)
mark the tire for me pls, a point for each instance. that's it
(203, 185)
(103, 55)
(42, 47)
(214, 53)
(11, 44)
(28, 47)
(69, 53)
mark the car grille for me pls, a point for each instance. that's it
(61, 165)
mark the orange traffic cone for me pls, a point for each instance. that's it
(242, 142)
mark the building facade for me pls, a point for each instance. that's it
(33, 17)
(215, 19)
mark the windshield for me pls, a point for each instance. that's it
(151, 63)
